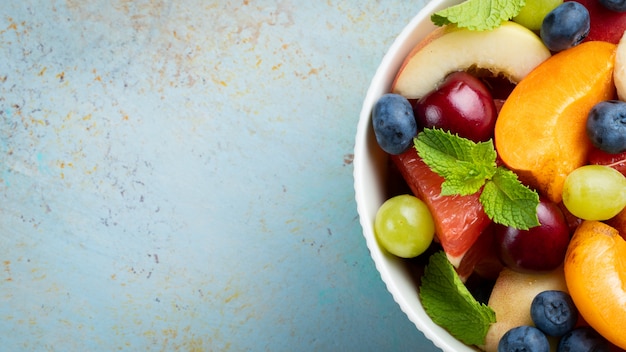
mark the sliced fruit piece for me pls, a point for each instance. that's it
(619, 74)
(459, 220)
(511, 298)
(511, 49)
(595, 273)
(606, 25)
(540, 132)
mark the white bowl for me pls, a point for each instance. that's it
(370, 166)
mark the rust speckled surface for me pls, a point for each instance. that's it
(176, 176)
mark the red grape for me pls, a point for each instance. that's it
(539, 249)
(462, 104)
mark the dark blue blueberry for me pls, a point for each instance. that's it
(606, 126)
(394, 123)
(565, 26)
(614, 5)
(524, 339)
(554, 312)
(583, 339)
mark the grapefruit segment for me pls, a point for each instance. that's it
(459, 220)
(540, 131)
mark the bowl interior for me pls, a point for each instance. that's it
(370, 182)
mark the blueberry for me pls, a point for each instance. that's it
(394, 123)
(606, 126)
(614, 5)
(565, 26)
(583, 339)
(553, 312)
(524, 339)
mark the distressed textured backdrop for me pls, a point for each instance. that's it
(176, 176)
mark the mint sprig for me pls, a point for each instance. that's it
(507, 202)
(478, 15)
(469, 167)
(450, 305)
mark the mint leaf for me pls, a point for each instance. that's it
(463, 164)
(450, 305)
(478, 14)
(508, 202)
(468, 167)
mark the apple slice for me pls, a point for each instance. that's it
(619, 72)
(511, 50)
(512, 297)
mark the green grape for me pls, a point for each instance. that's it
(532, 14)
(595, 192)
(404, 226)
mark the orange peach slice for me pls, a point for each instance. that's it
(541, 130)
(595, 274)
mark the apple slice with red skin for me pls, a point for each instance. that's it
(510, 49)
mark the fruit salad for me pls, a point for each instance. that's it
(508, 164)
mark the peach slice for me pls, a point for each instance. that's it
(595, 274)
(511, 298)
(511, 50)
(541, 130)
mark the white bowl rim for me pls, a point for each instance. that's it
(415, 30)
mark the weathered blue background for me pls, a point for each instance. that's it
(176, 176)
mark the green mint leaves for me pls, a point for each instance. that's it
(463, 164)
(479, 15)
(506, 201)
(450, 305)
(468, 167)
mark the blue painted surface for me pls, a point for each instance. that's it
(176, 176)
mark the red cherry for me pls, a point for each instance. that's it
(538, 249)
(462, 104)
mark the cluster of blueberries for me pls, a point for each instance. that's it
(567, 26)
(554, 314)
